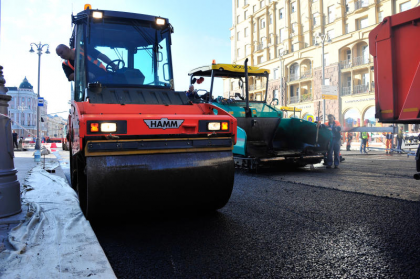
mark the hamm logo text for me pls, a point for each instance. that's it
(163, 123)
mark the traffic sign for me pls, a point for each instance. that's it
(329, 92)
(40, 101)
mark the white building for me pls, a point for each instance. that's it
(22, 109)
(55, 126)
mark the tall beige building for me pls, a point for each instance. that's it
(286, 38)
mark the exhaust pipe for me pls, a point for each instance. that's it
(416, 176)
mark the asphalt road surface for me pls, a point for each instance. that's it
(360, 221)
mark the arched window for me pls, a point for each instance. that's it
(369, 117)
(352, 118)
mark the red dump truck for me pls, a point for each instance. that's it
(395, 47)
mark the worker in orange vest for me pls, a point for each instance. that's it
(388, 142)
(69, 55)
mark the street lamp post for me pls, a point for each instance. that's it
(39, 48)
(281, 54)
(323, 38)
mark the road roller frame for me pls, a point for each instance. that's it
(135, 143)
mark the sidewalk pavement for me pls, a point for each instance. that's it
(50, 238)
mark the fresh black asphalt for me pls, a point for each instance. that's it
(282, 224)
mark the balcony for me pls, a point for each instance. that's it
(360, 60)
(345, 64)
(300, 98)
(293, 99)
(256, 87)
(360, 4)
(345, 91)
(306, 74)
(306, 97)
(293, 77)
(357, 61)
(360, 89)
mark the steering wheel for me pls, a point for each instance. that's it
(205, 96)
(117, 63)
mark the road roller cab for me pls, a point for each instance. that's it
(135, 143)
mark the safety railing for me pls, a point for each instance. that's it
(306, 74)
(293, 99)
(360, 60)
(345, 91)
(306, 97)
(345, 64)
(360, 89)
(293, 77)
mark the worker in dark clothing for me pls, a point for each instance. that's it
(191, 94)
(335, 143)
(15, 136)
(69, 55)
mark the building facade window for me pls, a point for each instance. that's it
(330, 34)
(281, 12)
(380, 16)
(238, 34)
(238, 19)
(254, 8)
(314, 21)
(246, 32)
(271, 18)
(262, 23)
(294, 28)
(238, 52)
(405, 6)
(348, 54)
(275, 73)
(245, 15)
(255, 27)
(275, 94)
(346, 29)
(293, 7)
(326, 60)
(262, 4)
(331, 15)
(245, 2)
(363, 23)
(237, 3)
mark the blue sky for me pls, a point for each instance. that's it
(201, 34)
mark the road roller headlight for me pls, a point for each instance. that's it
(213, 126)
(108, 127)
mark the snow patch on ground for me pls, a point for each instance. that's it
(55, 240)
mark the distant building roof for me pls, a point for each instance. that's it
(12, 88)
(25, 84)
